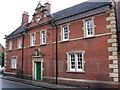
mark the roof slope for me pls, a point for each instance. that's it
(77, 9)
(18, 30)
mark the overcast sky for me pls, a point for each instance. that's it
(11, 12)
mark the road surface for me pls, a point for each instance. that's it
(10, 85)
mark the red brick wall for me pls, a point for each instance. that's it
(96, 51)
(17, 53)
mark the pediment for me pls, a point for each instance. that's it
(36, 53)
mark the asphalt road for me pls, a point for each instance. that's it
(10, 85)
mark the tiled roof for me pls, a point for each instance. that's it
(77, 9)
(18, 30)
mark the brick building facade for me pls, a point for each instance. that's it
(77, 45)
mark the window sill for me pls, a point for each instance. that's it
(43, 44)
(88, 37)
(64, 41)
(82, 72)
(32, 46)
(19, 48)
(13, 68)
(8, 50)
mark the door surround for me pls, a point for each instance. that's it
(34, 61)
(37, 57)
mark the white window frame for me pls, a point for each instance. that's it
(43, 37)
(63, 36)
(32, 39)
(19, 43)
(10, 44)
(89, 27)
(81, 62)
(14, 63)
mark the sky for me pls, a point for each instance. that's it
(12, 10)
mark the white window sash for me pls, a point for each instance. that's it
(19, 42)
(79, 69)
(76, 69)
(71, 69)
(89, 28)
(43, 37)
(64, 33)
(14, 63)
(10, 45)
(32, 39)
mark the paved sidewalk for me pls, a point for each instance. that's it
(39, 84)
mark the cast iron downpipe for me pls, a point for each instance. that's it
(55, 25)
(56, 54)
(22, 53)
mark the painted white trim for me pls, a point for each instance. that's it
(41, 41)
(82, 80)
(19, 42)
(31, 43)
(62, 33)
(16, 62)
(76, 66)
(93, 26)
(10, 44)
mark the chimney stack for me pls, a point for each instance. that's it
(25, 17)
(48, 7)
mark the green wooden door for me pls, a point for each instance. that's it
(38, 71)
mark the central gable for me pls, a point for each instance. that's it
(41, 15)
